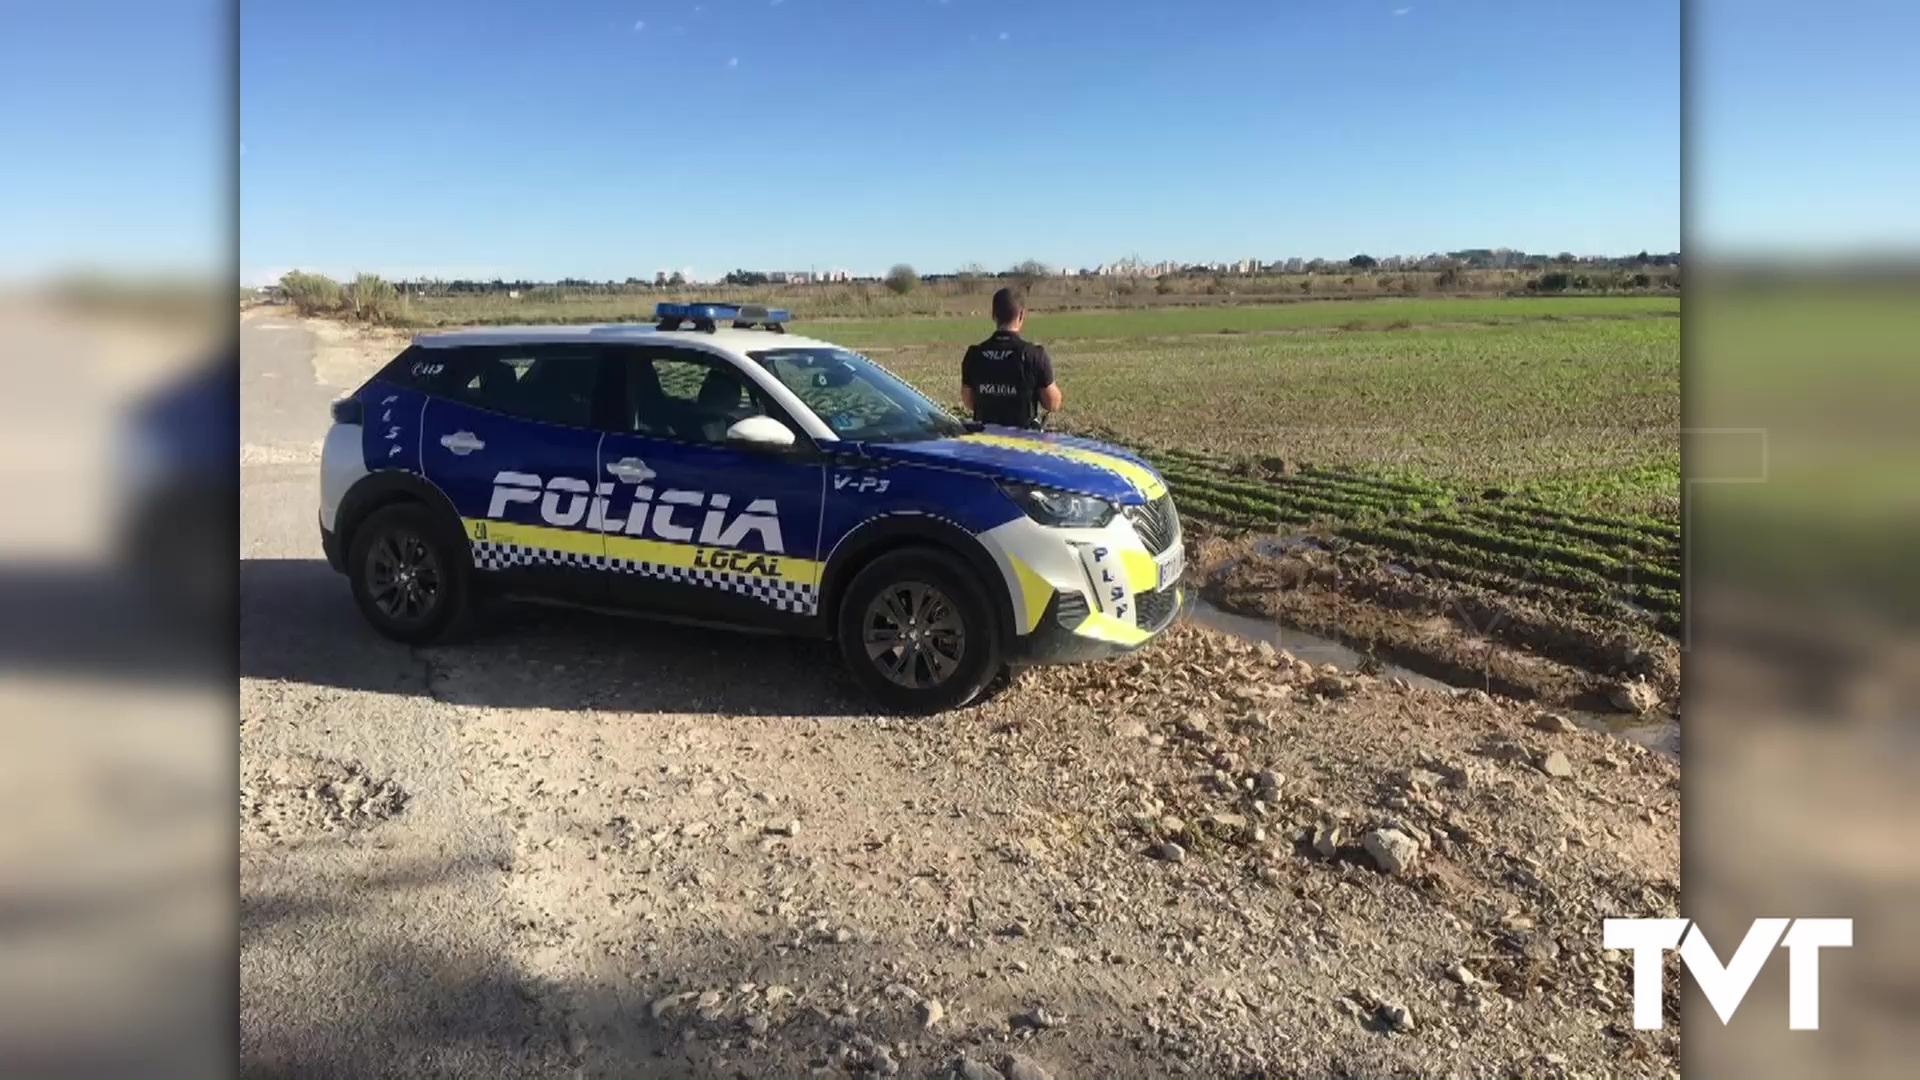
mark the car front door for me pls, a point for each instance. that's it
(708, 529)
(513, 441)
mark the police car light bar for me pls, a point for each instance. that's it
(707, 317)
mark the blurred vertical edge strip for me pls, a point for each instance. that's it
(1802, 698)
(119, 470)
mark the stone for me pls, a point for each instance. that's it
(931, 1012)
(1133, 729)
(1327, 841)
(1395, 1016)
(966, 1068)
(1171, 851)
(1267, 782)
(1634, 696)
(1556, 764)
(1392, 850)
(1555, 723)
(757, 1025)
(1037, 1018)
(1021, 1067)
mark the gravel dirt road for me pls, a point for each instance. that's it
(579, 846)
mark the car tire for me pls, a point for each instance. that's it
(949, 649)
(401, 546)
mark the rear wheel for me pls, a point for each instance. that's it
(916, 632)
(409, 580)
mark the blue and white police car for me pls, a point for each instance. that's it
(713, 468)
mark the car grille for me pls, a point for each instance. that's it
(1157, 609)
(1157, 522)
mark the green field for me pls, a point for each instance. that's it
(1578, 404)
(1514, 446)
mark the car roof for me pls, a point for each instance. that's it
(725, 340)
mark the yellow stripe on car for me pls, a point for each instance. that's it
(1142, 478)
(1143, 574)
(1107, 628)
(1034, 593)
(656, 552)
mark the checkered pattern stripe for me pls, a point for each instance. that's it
(782, 595)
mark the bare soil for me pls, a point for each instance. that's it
(1524, 646)
(1106, 870)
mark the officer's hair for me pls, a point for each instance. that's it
(1008, 305)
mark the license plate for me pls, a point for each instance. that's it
(1172, 563)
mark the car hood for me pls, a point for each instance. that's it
(1044, 458)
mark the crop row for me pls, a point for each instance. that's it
(1546, 529)
(1647, 594)
(1311, 476)
(1661, 604)
(1282, 496)
(1661, 530)
(1628, 572)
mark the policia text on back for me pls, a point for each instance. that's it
(1006, 379)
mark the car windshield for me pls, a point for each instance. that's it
(857, 398)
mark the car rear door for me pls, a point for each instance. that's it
(513, 444)
(707, 529)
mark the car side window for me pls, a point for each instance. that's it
(553, 385)
(683, 395)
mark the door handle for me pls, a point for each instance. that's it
(632, 470)
(462, 443)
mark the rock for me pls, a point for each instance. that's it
(842, 936)
(1194, 723)
(1171, 851)
(1172, 826)
(1556, 764)
(931, 1012)
(1392, 850)
(1395, 1016)
(1021, 1067)
(1267, 783)
(756, 1025)
(1331, 686)
(966, 1068)
(1227, 822)
(790, 828)
(1459, 973)
(1327, 840)
(1420, 779)
(661, 1005)
(1037, 1018)
(709, 999)
(1555, 723)
(881, 1063)
(1131, 730)
(1634, 696)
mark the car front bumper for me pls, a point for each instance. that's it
(330, 544)
(1070, 632)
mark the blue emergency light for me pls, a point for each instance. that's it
(707, 317)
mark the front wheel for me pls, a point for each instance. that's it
(917, 634)
(409, 580)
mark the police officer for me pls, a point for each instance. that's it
(1006, 379)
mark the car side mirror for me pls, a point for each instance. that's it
(761, 431)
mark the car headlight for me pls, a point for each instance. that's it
(1060, 509)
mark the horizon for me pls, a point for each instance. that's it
(486, 140)
(874, 274)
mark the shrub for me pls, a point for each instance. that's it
(1448, 278)
(372, 298)
(311, 294)
(1552, 281)
(902, 279)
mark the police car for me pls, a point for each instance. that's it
(713, 468)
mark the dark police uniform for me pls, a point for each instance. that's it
(1006, 374)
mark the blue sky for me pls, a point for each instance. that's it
(602, 139)
(539, 140)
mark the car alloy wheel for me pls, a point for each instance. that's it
(914, 635)
(403, 577)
